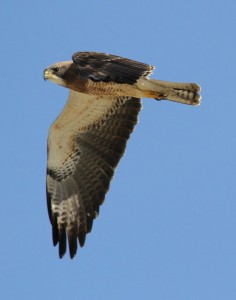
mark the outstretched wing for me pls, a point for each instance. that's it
(109, 68)
(85, 145)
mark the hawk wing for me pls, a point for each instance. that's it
(109, 68)
(85, 144)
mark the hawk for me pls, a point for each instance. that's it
(88, 139)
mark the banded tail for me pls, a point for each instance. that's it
(186, 93)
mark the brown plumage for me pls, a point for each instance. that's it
(89, 137)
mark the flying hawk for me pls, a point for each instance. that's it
(89, 137)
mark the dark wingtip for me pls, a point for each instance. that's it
(89, 224)
(54, 236)
(72, 255)
(55, 232)
(62, 242)
(72, 238)
(82, 237)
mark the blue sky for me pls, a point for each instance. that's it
(167, 229)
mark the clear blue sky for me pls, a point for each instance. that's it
(167, 229)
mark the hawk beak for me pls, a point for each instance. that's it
(47, 74)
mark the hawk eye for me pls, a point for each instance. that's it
(55, 70)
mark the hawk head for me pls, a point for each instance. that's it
(61, 73)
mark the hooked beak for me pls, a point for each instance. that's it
(47, 74)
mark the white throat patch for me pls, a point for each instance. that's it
(57, 80)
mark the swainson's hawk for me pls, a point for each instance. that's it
(89, 137)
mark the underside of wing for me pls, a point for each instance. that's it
(78, 181)
(109, 68)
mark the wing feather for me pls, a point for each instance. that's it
(82, 160)
(109, 68)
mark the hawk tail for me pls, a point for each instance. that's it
(186, 93)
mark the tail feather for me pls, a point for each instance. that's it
(186, 93)
(184, 96)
